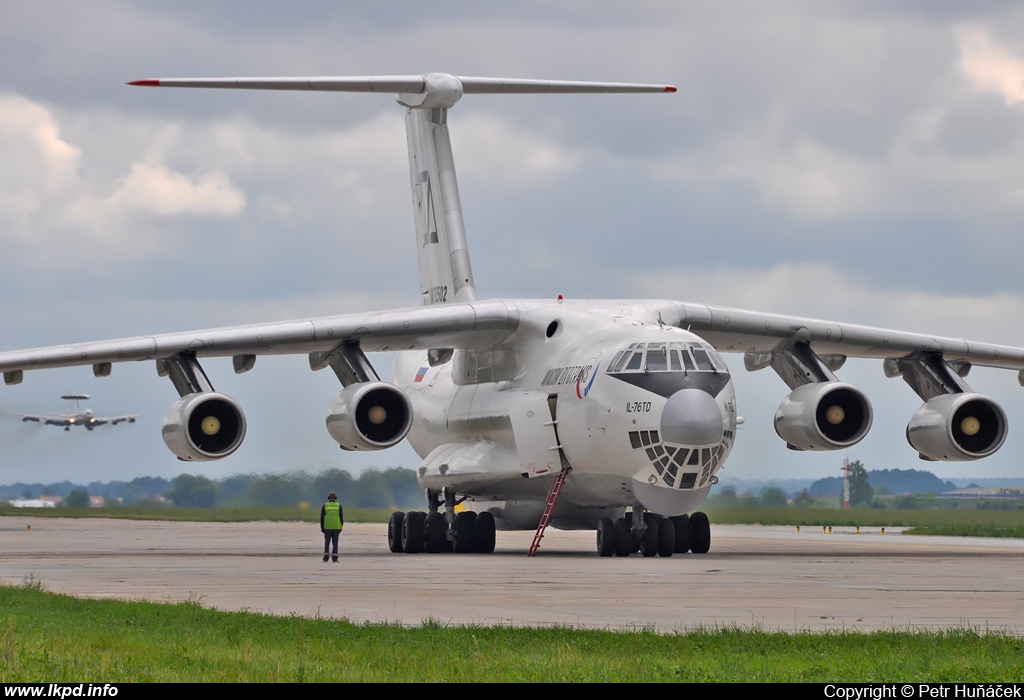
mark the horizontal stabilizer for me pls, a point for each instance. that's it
(411, 84)
(381, 83)
(477, 86)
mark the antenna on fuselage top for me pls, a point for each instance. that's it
(73, 401)
(446, 274)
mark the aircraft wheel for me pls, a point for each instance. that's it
(681, 525)
(412, 532)
(700, 533)
(465, 523)
(666, 537)
(623, 538)
(606, 537)
(649, 541)
(484, 533)
(395, 531)
(434, 534)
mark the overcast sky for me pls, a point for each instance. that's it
(854, 161)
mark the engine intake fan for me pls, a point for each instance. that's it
(957, 427)
(204, 426)
(824, 416)
(369, 416)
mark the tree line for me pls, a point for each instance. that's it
(862, 495)
(395, 487)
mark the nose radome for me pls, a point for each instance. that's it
(692, 417)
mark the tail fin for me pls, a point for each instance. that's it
(446, 274)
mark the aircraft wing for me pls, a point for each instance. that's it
(44, 418)
(760, 336)
(477, 324)
(823, 413)
(114, 420)
(481, 324)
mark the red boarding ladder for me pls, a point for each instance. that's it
(549, 507)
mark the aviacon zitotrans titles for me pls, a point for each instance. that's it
(608, 415)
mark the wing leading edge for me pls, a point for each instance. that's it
(758, 335)
(469, 325)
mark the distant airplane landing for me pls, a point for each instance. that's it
(76, 415)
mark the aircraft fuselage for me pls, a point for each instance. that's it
(644, 413)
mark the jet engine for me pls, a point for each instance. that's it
(369, 416)
(957, 427)
(823, 416)
(204, 426)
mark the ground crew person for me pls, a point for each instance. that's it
(331, 522)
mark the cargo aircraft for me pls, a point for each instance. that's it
(607, 415)
(76, 415)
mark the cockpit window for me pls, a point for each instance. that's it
(685, 354)
(716, 360)
(700, 356)
(656, 358)
(675, 356)
(619, 360)
(635, 361)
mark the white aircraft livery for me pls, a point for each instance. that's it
(76, 415)
(609, 415)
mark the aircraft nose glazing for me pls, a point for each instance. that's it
(692, 417)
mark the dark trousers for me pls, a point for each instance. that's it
(331, 540)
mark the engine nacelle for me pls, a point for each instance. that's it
(957, 427)
(369, 416)
(204, 426)
(824, 416)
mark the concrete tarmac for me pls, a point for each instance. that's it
(771, 578)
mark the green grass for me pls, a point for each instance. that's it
(964, 523)
(204, 515)
(968, 530)
(56, 638)
(994, 523)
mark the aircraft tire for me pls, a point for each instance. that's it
(465, 527)
(681, 525)
(666, 537)
(412, 532)
(649, 541)
(605, 537)
(434, 533)
(700, 533)
(395, 531)
(484, 533)
(623, 538)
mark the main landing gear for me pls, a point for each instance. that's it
(434, 531)
(652, 534)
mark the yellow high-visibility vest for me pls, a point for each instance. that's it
(332, 515)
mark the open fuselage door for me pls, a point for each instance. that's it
(535, 427)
